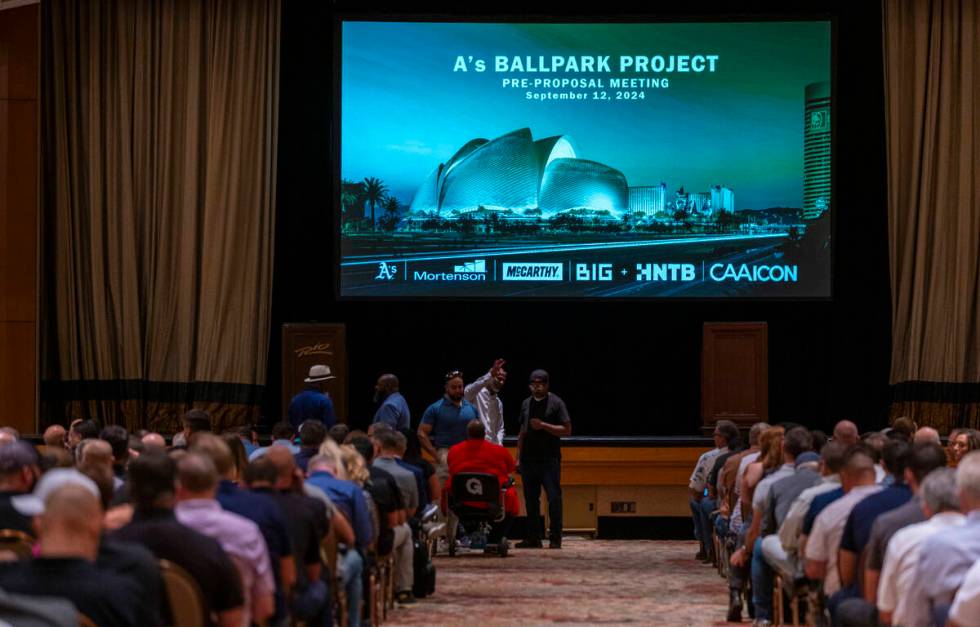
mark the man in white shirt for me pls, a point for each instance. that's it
(831, 460)
(725, 430)
(483, 394)
(966, 606)
(901, 600)
(858, 482)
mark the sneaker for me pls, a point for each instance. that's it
(464, 542)
(529, 544)
(405, 597)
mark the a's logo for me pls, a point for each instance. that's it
(477, 265)
(532, 271)
(474, 486)
(386, 271)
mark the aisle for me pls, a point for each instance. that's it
(588, 582)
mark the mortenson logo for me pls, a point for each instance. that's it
(532, 271)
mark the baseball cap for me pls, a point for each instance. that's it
(16, 455)
(33, 504)
(539, 375)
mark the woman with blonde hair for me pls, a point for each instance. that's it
(354, 465)
(331, 448)
(770, 458)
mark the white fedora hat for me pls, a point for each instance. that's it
(319, 373)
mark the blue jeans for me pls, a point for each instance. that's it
(762, 579)
(351, 568)
(696, 515)
(536, 474)
(708, 505)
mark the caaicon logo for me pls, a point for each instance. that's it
(474, 486)
(386, 271)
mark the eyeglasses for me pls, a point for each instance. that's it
(453, 374)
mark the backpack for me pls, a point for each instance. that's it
(424, 583)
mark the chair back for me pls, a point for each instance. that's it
(328, 552)
(476, 487)
(15, 545)
(186, 600)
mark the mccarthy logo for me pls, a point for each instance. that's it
(533, 271)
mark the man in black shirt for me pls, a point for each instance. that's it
(69, 529)
(151, 484)
(18, 471)
(274, 474)
(544, 420)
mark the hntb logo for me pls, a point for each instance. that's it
(386, 272)
(477, 265)
(533, 271)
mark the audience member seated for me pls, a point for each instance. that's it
(961, 442)
(55, 435)
(350, 503)
(709, 502)
(258, 508)
(900, 597)
(8, 435)
(154, 441)
(339, 433)
(312, 433)
(118, 439)
(131, 560)
(194, 421)
(823, 541)
(18, 473)
(945, 557)
(389, 446)
(857, 529)
(699, 479)
(36, 611)
(384, 492)
(69, 516)
(926, 434)
(795, 443)
(240, 538)
(925, 457)
(477, 454)
(274, 474)
(413, 456)
(782, 496)
(966, 606)
(282, 435)
(152, 478)
(238, 455)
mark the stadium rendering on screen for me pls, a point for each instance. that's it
(531, 160)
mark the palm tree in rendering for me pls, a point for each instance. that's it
(351, 200)
(374, 193)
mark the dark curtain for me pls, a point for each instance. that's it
(159, 152)
(932, 91)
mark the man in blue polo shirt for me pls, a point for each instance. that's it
(444, 422)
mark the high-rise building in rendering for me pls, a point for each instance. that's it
(648, 199)
(722, 199)
(699, 202)
(816, 151)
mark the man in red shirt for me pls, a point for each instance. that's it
(476, 454)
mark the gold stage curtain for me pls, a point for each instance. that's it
(159, 167)
(932, 91)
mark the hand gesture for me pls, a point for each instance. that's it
(536, 423)
(497, 365)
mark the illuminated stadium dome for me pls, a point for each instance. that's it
(517, 174)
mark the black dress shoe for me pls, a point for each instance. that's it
(528, 544)
(734, 606)
(554, 544)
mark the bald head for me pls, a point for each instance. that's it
(214, 447)
(154, 441)
(859, 468)
(71, 523)
(96, 453)
(284, 463)
(196, 476)
(846, 432)
(926, 435)
(54, 436)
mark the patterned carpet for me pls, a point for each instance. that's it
(588, 582)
